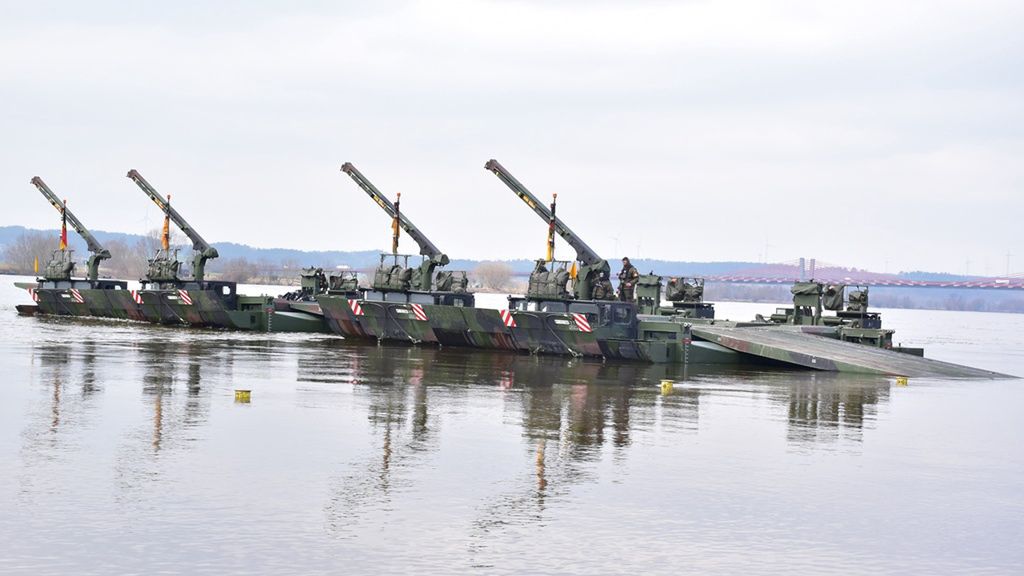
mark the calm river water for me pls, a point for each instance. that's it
(122, 451)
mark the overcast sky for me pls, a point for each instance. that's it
(883, 135)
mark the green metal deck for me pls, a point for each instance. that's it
(791, 345)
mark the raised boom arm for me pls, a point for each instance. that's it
(427, 247)
(99, 253)
(592, 265)
(584, 253)
(201, 249)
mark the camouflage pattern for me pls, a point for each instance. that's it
(105, 303)
(214, 309)
(61, 302)
(552, 333)
(154, 308)
(532, 332)
(269, 314)
(62, 298)
(398, 321)
(208, 308)
(457, 326)
(123, 306)
(197, 307)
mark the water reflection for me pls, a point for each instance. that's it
(826, 408)
(817, 407)
(568, 412)
(90, 385)
(164, 366)
(63, 378)
(62, 367)
(576, 420)
(393, 385)
(176, 409)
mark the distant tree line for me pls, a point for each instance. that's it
(129, 260)
(493, 276)
(19, 256)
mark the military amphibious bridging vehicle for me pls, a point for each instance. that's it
(166, 298)
(57, 292)
(420, 303)
(551, 318)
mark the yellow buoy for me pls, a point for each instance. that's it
(243, 396)
(666, 387)
(901, 380)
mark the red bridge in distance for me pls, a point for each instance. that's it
(789, 272)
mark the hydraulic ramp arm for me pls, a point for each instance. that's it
(427, 248)
(591, 264)
(201, 249)
(99, 253)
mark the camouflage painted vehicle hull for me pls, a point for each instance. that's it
(547, 333)
(106, 303)
(414, 323)
(123, 305)
(75, 301)
(154, 306)
(201, 308)
(268, 314)
(530, 332)
(63, 302)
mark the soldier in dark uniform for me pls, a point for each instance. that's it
(604, 290)
(321, 281)
(627, 280)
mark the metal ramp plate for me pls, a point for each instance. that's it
(791, 345)
(307, 307)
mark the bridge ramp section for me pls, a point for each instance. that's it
(791, 345)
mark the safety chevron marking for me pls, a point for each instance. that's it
(418, 311)
(507, 319)
(77, 296)
(356, 308)
(581, 322)
(137, 296)
(32, 293)
(183, 294)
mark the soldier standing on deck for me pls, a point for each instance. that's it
(603, 290)
(627, 280)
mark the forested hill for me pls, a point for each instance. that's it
(359, 259)
(136, 246)
(227, 250)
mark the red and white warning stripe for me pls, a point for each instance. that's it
(32, 293)
(183, 294)
(356, 308)
(418, 311)
(507, 319)
(137, 296)
(581, 322)
(77, 296)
